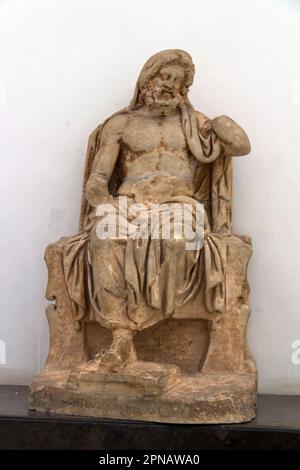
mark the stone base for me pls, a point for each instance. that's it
(146, 391)
(139, 379)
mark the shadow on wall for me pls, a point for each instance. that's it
(2, 353)
(12, 376)
(43, 346)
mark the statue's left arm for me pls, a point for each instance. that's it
(208, 139)
(234, 139)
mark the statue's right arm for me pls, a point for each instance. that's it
(105, 160)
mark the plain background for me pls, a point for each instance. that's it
(65, 65)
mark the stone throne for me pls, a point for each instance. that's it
(194, 367)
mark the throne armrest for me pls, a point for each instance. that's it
(53, 259)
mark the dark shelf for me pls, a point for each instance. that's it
(277, 426)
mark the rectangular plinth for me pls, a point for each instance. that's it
(276, 426)
(204, 398)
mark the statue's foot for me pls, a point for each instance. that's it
(120, 352)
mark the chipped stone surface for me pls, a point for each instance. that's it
(145, 329)
(201, 398)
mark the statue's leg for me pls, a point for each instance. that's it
(108, 262)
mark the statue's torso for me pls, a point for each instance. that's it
(154, 159)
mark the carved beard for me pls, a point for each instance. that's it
(160, 97)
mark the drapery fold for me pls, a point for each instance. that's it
(206, 268)
(144, 273)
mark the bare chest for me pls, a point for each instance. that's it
(144, 134)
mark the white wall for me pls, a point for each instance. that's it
(65, 65)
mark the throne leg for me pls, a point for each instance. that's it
(67, 344)
(228, 350)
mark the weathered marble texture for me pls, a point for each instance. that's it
(144, 329)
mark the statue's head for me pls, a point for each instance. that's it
(164, 80)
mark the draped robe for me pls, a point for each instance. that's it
(142, 276)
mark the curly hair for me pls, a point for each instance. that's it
(156, 62)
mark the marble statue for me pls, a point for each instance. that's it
(147, 326)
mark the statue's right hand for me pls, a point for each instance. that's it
(97, 192)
